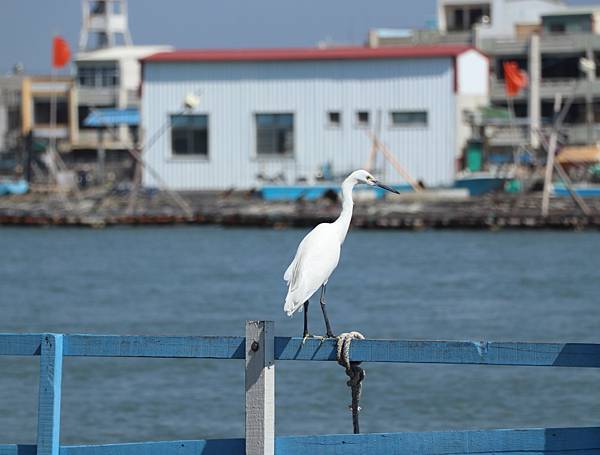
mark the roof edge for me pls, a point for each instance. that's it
(300, 54)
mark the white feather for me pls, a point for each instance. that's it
(316, 259)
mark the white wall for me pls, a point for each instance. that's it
(507, 13)
(473, 91)
(232, 92)
(473, 70)
(3, 123)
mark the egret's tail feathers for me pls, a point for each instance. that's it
(291, 306)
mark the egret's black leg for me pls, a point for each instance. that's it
(327, 325)
(306, 335)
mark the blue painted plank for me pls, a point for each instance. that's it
(401, 351)
(155, 346)
(582, 441)
(206, 447)
(17, 449)
(536, 441)
(48, 437)
(20, 344)
(450, 352)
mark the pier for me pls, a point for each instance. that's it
(261, 351)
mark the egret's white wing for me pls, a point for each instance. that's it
(317, 256)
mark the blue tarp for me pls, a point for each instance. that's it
(13, 187)
(112, 117)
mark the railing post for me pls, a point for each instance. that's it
(48, 432)
(260, 388)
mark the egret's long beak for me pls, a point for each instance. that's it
(385, 187)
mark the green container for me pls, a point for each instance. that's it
(474, 156)
(513, 186)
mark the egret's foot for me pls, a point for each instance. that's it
(305, 336)
(330, 335)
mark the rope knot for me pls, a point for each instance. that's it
(353, 370)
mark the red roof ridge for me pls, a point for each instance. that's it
(312, 53)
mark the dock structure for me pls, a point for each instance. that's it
(408, 212)
(261, 351)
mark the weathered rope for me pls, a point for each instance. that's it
(353, 370)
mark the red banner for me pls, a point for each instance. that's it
(514, 78)
(60, 52)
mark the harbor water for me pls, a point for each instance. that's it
(501, 286)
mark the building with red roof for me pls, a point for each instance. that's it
(262, 115)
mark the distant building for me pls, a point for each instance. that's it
(10, 112)
(493, 18)
(10, 122)
(36, 108)
(547, 38)
(284, 114)
(108, 79)
(107, 84)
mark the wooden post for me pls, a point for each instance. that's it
(48, 436)
(260, 388)
(548, 173)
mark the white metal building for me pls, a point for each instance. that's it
(285, 113)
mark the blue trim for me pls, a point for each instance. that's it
(112, 117)
(532, 441)
(584, 355)
(312, 192)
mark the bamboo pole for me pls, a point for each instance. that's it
(395, 163)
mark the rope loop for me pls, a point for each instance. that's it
(353, 370)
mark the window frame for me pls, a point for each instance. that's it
(62, 110)
(273, 156)
(395, 125)
(99, 76)
(189, 156)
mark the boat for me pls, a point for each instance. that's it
(313, 192)
(481, 182)
(581, 189)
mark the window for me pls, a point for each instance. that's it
(334, 118)
(362, 118)
(459, 19)
(475, 16)
(99, 7)
(86, 77)
(558, 28)
(116, 8)
(98, 76)
(274, 134)
(42, 111)
(189, 135)
(408, 118)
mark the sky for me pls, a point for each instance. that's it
(26, 26)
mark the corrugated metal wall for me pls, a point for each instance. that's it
(232, 92)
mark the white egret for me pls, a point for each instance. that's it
(319, 252)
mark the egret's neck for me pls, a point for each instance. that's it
(342, 224)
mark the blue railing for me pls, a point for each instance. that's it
(262, 350)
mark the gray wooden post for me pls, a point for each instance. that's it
(260, 388)
(48, 433)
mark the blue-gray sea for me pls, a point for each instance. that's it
(504, 286)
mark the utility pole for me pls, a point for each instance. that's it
(589, 106)
(534, 91)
